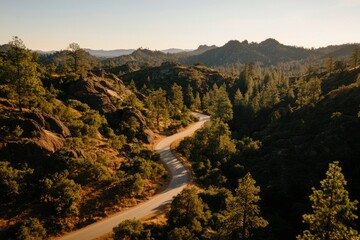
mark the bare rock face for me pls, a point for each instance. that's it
(27, 135)
(49, 122)
(97, 90)
(93, 95)
(133, 112)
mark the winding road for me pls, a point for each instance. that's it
(180, 179)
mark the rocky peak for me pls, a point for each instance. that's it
(232, 43)
(270, 41)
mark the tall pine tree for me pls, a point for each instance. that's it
(21, 71)
(332, 209)
(242, 215)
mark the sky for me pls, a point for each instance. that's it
(185, 24)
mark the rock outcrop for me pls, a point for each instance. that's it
(27, 135)
(98, 89)
(199, 77)
(86, 92)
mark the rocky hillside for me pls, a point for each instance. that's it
(142, 57)
(27, 135)
(199, 77)
(75, 152)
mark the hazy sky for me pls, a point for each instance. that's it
(162, 24)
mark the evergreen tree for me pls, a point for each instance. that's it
(332, 209)
(206, 102)
(156, 102)
(242, 215)
(238, 98)
(62, 193)
(182, 233)
(176, 96)
(12, 182)
(31, 229)
(187, 210)
(221, 147)
(197, 101)
(220, 104)
(176, 102)
(330, 65)
(189, 99)
(76, 54)
(21, 72)
(131, 230)
(308, 92)
(314, 86)
(355, 57)
(132, 86)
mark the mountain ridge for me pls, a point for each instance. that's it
(268, 52)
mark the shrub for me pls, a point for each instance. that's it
(31, 229)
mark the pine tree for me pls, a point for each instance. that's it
(132, 86)
(355, 57)
(332, 209)
(329, 65)
(238, 98)
(176, 96)
(197, 101)
(21, 73)
(190, 99)
(76, 53)
(205, 103)
(221, 106)
(308, 92)
(314, 86)
(187, 210)
(242, 215)
(156, 102)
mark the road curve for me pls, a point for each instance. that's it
(180, 178)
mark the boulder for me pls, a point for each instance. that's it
(94, 96)
(49, 122)
(28, 135)
(133, 112)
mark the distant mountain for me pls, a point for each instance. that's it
(269, 51)
(232, 52)
(175, 50)
(44, 52)
(201, 49)
(277, 52)
(109, 53)
(189, 52)
(338, 51)
(141, 57)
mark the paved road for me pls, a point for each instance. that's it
(180, 178)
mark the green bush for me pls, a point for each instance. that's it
(131, 230)
(31, 229)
